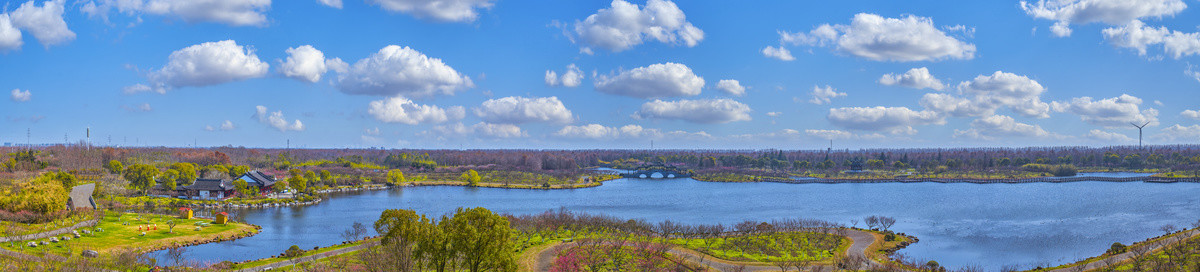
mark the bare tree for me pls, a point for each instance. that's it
(355, 232)
(176, 254)
(871, 221)
(886, 222)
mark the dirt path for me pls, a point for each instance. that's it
(860, 241)
(1100, 263)
(305, 259)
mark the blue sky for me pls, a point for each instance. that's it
(473, 73)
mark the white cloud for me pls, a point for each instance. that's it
(897, 120)
(404, 111)
(230, 12)
(331, 3)
(481, 129)
(625, 25)
(1113, 12)
(731, 87)
(10, 36)
(654, 81)
(706, 111)
(21, 96)
(877, 38)
(1181, 133)
(276, 120)
(516, 110)
(572, 77)
(396, 70)
(1108, 137)
(774, 114)
(778, 52)
(227, 125)
(45, 23)
(1021, 94)
(1190, 73)
(916, 78)
(205, 64)
(1000, 126)
(463, 11)
(829, 134)
(1111, 112)
(304, 63)
(825, 95)
(1192, 114)
(1138, 36)
(955, 106)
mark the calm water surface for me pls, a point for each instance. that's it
(988, 225)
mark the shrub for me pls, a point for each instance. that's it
(889, 237)
(292, 252)
(1116, 248)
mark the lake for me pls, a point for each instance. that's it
(988, 225)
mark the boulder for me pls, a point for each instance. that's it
(33, 244)
(90, 253)
(54, 239)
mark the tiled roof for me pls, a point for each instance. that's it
(210, 185)
(263, 180)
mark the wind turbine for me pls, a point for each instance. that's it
(1139, 132)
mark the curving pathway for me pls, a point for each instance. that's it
(1100, 263)
(860, 241)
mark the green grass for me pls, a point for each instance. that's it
(120, 231)
(799, 246)
(260, 262)
(23, 229)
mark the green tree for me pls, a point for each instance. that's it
(186, 173)
(42, 194)
(169, 179)
(244, 189)
(311, 176)
(298, 183)
(325, 176)
(401, 231)
(114, 167)
(140, 176)
(66, 179)
(238, 170)
(471, 178)
(483, 239)
(395, 176)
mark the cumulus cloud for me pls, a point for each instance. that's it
(1000, 126)
(774, 114)
(731, 87)
(654, 81)
(45, 23)
(230, 12)
(396, 70)
(1192, 114)
(572, 77)
(1113, 12)
(1021, 94)
(1108, 137)
(227, 125)
(463, 11)
(10, 36)
(829, 134)
(404, 111)
(598, 131)
(1180, 133)
(778, 52)
(824, 95)
(1138, 36)
(331, 3)
(517, 110)
(481, 129)
(1110, 112)
(705, 111)
(874, 37)
(21, 96)
(205, 64)
(916, 78)
(896, 120)
(306, 63)
(276, 120)
(625, 25)
(955, 106)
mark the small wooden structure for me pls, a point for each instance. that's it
(185, 213)
(222, 218)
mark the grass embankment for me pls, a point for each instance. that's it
(17, 229)
(881, 248)
(121, 231)
(277, 258)
(1127, 265)
(764, 248)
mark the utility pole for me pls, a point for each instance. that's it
(1139, 132)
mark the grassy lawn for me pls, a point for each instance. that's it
(800, 246)
(120, 231)
(23, 229)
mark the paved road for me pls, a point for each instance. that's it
(1127, 255)
(861, 240)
